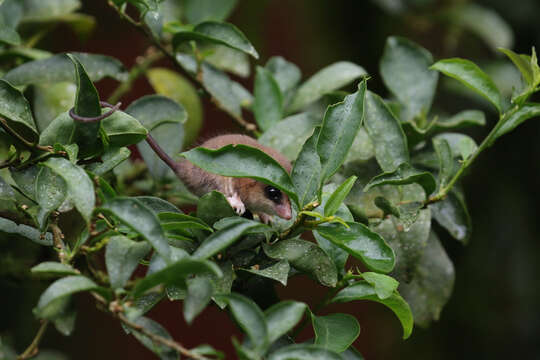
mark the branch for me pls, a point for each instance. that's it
(250, 127)
(32, 349)
(3, 124)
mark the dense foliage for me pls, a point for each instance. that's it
(369, 177)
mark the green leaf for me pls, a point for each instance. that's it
(51, 191)
(250, 318)
(407, 240)
(173, 85)
(112, 157)
(268, 104)
(384, 285)
(305, 256)
(122, 129)
(484, 22)
(213, 207)
(223, 238)
(164, 120)
(55, 268)
(243, 161)
(59, 68)
(286, 74)
(80, 189)
(451, 213)
(405, 71)
(362, 290)
(141, 219)
(339, 127)
(351, 354)
(431, 285)
(526, 112)
(303, 352)
(122, 257)
(470, 75)
(157, 205)
(219, 33)
(306, 173)
(201, 10)
(36, 9)
(175, 273)
(328, 79)
(386, 133)
(288, 135)
(58, 290)
(199, 292)
(282, 317)
(278, 271)
(521, 63)
(336, 199)
(154, 21)
(405, 174)
(164, 352)
(460, 120)
(64, 320)
(335, 332)
(362, 243)
(227, 59)
(16, 112)
(223, 284)
(446, 161)
(10, 227)
(8, 35)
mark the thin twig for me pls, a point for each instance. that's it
(161, 153)
(58, 242)
(32, 349)
(3, 124)
(85, 119)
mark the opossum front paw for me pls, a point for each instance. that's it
(265, 218)
(237, 204)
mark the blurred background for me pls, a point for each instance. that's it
(493, 312)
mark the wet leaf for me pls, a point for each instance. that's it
(10, 227)
(405, 174)
(336, 199)
(303, 352)
(282, 317)
(16, 112)
(201, 10)
(278, 271)
(335, 332)
(122, 257)
(268, 104)
(199, 291)
(54, 268)
(451, 213)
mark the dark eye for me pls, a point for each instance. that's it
(273, 194)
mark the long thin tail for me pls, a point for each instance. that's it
(162, 154)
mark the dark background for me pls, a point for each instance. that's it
(493, 311)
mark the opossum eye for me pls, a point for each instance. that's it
(273, 194)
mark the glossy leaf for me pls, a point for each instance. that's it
(141, 219)
(122, 129)
(213, 207)
(157, 205)
(336, 199)
(362, 290)
(470, 75)
(405, 71)
(55, 268)
(164, 352)
(10, 227)
(386, 133)
(173, 85)
(384, 285)
(446, 161)
(408, 243)
(8, 35)
(164, 119)
(122, 257)
(282, 317)
(16, 113)
(222, 239)
(201, 10)
(306, 172)
(305, 256)
(48, 301)
(278, 271)
(339, 127)
(521, 63)
(303, 352)
(112, 157)
(268, 104)
(80, 189)
(58, 68)
(335, 332)
(250, 318)
(330, 78)
(219, 33)
(526, 112)
(451, 213)
(405, 174)
(199, 292)
(175, 273)
(460, 120)
(362, 243)
(286, 74)
(51, 100)
(288, 135)
(51, 191)
(431, 284)
(243, 161)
